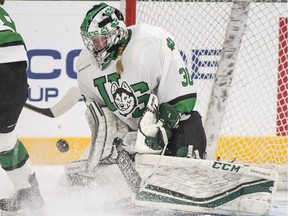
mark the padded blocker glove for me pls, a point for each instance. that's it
(155, 127)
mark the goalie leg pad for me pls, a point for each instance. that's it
(109, 127)
(104, 126)
(203, 186)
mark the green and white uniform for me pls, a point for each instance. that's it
(12, 47)
(14, 158)
(152, 64)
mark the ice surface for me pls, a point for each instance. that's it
(105, 199)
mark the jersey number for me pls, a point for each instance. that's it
(187, 78)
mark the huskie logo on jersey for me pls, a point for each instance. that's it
(124, 98)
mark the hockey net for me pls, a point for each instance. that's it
(241, 75)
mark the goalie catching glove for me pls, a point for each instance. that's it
(155, 127)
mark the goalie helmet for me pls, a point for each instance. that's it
(103, 30)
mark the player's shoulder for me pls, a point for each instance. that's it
(3, 11)
(85, 60)
(84, 53)
(145, 30)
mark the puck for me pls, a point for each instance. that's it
(62, 145)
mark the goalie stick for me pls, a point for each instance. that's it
(125, 165)
(123, 161)
(66, 103)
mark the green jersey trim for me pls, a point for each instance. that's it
(10, 42)
(8, 33)
(11, 38)
(184, 104)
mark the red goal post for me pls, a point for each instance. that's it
(246, 120)
(130, 12)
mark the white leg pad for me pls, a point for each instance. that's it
(105, 127)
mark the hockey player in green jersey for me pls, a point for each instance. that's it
(14, 158)
(120, 68)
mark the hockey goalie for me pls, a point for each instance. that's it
(140, 108)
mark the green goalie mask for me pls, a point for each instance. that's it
(103, 30)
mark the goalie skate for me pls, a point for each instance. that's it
(205, 186)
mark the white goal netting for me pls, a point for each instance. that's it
(253, 127)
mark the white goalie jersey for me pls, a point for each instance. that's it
(152, 64)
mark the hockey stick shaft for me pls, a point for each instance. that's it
(123, 161)
(71, 97)
(126, 167)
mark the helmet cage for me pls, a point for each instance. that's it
(110, 25)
